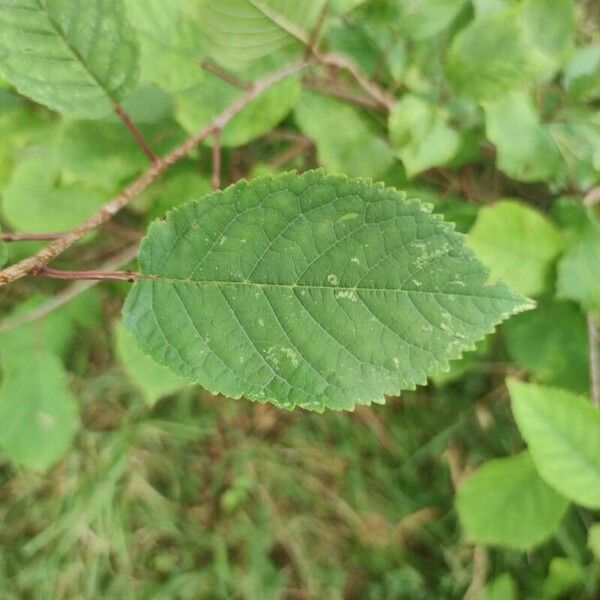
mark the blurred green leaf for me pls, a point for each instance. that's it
(241, 33)
(154, 380)
(422, 19)
(500, 588)
(282, 290)
(52, 334)
(548, 27)
(354, 149)
(197, 106)
(505, 502)
(578, 277)
(38, 411)
(594, 540)
(489, 57)
(582, 74)
(420, 134)
(35, 200)
(171, 41)
(563, 576)
(78, 58)
(484, 7)
(526, 150)
(556, 355)
(562, 431)
(517, 243)
(105, 155)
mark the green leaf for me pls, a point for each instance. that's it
(105, 154)
(171, 41)
(52, 334)
(526, 150)
(425, 18)
(556, 355)
(578, 278)
(36, 201)
(517, 243)
(37, 411)
(154, 380)
(578, 138)
(562, 431)
(484, 7)
(582, 74)
(594, 540)
(75, 57)
(20, 127)
(3, 252)
(563, 576)
(489, 57)
(419, 132)
(354, 149)
(197, 106)
(310, 290)
(500, 588)
(241, 33)
(505, 502)
(548, 28)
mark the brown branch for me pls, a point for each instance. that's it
(67, 294)
(135, 132)
(216, 159)
(113, 227)
(226, 76)
(34, 263)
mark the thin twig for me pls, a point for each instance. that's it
(333, 88)
(20, 236)
(594, 342)
(337, 61)
(15, 236)
(129, 276)
(135, 132)
(314, 34)
(36, 262)
(67, 294)
(296, 149)
(592, 197)
(226, 76)
(216, 159)
(480, 571)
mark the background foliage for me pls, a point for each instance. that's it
(119, 479)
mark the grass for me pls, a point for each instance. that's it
(206, 497)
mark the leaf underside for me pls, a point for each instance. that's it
(75, 57)
(312, 290)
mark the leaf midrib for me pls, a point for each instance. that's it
(74, 51)
(302, 286)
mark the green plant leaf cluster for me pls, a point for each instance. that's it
(307, 282)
